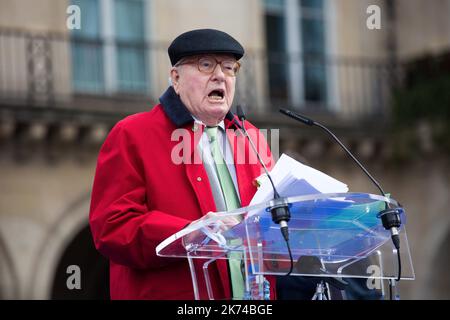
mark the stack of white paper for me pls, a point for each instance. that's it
(292, 178)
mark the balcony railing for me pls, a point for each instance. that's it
(54, 69)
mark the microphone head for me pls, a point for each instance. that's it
(230, 117)
(240, 112)
(297, 116)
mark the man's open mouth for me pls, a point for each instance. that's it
(217, 94)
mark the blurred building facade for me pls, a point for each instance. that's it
(62, 90)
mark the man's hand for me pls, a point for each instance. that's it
(225, 223)
(217, 227)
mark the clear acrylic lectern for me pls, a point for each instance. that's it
(332, 236)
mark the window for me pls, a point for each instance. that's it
(131, 47)
(295, 38)
(313, 44)
(109, 52)
(275, 40)
(87, 56)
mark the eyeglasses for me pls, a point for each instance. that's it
(208, 64)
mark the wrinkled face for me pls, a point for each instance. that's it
(208, 95)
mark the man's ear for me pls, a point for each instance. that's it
(174, 78)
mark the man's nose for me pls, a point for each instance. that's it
(218, 73)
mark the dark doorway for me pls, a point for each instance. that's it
(93, 266)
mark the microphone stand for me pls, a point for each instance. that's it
(390, 217)
(279, 208)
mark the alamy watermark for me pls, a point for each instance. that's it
(374, 281)
(183, 153)
(73, 21)
(373, 22)
(74, 279)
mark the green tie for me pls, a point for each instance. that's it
(232, 202)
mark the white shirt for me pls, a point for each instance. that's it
(210, 167)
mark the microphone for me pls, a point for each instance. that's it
(230, 117)
(280, 210)
(310, 122)
(390, 217)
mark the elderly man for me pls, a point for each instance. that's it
(143, 193)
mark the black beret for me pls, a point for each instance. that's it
(203, 41)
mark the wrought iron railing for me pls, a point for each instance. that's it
(50, 69)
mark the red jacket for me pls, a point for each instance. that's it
(140, 197)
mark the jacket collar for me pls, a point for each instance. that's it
(177, 111)
(175, 108)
